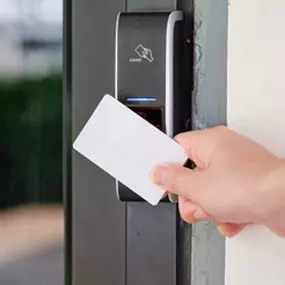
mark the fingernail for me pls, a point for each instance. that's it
(165, 195)
(227, 230)
(222, 230)
(158, 174)
(192, 221)
(200, 215)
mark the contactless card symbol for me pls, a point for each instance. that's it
(144, 53)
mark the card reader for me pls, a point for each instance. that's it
(150, 67)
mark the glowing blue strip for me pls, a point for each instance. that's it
(145, 99)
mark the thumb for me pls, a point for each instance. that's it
(179, 180)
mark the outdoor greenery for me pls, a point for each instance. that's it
(31, 141)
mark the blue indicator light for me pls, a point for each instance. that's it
(144, 99)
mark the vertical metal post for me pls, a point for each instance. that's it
(95, 219)
(67, 120)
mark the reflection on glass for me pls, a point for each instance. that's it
(31, 214)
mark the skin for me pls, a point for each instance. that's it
(237, 182)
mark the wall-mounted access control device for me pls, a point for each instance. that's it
(153, 72)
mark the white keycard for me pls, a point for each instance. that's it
(127, 147)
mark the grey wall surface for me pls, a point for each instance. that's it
(209, 106)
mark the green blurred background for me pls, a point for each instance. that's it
(31, 140)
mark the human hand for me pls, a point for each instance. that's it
(237, 181)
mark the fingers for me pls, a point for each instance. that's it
(230, 230)
(278, 231)
(179, 180)
(199, 145)
(191, 213)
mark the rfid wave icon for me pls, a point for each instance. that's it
(144, 53)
